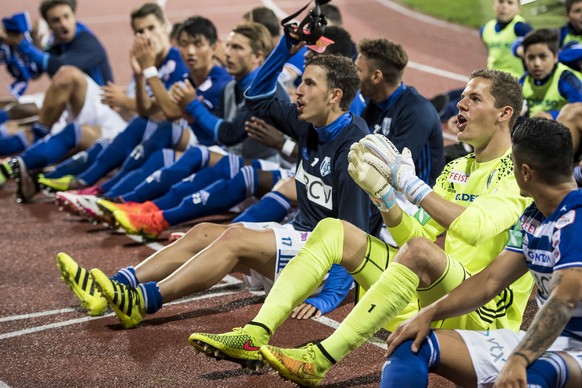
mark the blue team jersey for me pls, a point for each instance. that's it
(553, 243)
(212, 87)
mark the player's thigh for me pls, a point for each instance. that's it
(574, 364)
(255, 248)
(455, 360)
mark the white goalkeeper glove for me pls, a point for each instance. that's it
(397, 168)
(371, 180)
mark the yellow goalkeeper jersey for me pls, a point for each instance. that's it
(493, 205)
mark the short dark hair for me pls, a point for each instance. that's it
(332, 14)
(266, 17)
(570, 4)
(342, 41)
(388, 57)
(341, 74)
(199, 26)
(547, 36)
(258, 35)
(546, 146)
(148, 9)
(47, 5)
(504, 88)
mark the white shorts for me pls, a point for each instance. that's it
(289, 242)
(95, 113)
(490, 349)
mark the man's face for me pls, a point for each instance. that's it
(154, 30)
(313, 96)
(240, 59)
(367, 87)
(196, 51)
(505, 10)
(575, 17)
(539, 60)
(62, 22)
(477, 119)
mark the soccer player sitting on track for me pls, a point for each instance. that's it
(547, 243)
(476, 200)
(324, 131)
(547, 85)
(151, 126)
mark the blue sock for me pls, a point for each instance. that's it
(156, 137)
(157, 160)
(157, 184)
(274, 206)
(114, 154)
(53, 148)
(79, 162)
(406, 369)
(153, 298)
(548, 371)
(3, 116)
(126, 276)
(225, 169)
(39, 131)
(216, 198)
(13, 144)
(3, 131)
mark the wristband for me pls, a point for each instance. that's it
(520, 354)
(288, 147)
(150, 72)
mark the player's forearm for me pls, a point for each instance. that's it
(168, 108)
(547, 325)
(550, 320)
(482, 287)
(142, 99)
(442, 211)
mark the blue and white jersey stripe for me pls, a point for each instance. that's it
(551, 244)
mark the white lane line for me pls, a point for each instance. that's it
(57, 325)
(411, 64)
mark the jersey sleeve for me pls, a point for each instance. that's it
(334, 290)
(567, 241)
(489, 215)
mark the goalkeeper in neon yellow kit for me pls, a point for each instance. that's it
(476, 200)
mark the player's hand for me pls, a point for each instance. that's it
(513, 373)
(12, 39)
(113, 95)
(182, 94)
(267, 134)
(364, 171)
(417, 327)
(400, 171)
(135, 67)
(306, 311)
(143, 51)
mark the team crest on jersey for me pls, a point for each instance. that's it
(386, 125)
(458, 177)
(566, 219)
(325, 167)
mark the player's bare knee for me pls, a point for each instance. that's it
(422, 257)
(67, 77)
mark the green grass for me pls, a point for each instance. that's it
(474, 13)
